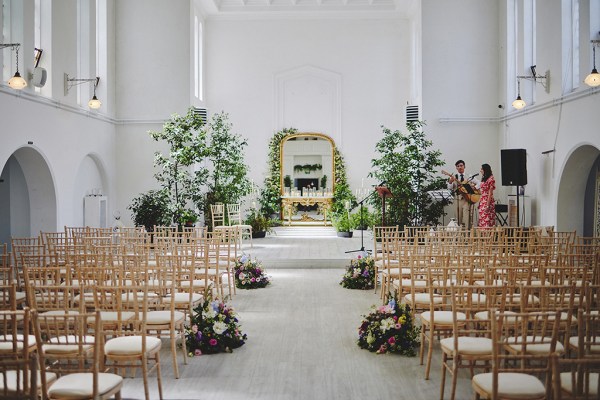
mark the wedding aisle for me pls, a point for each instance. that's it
(302, 332)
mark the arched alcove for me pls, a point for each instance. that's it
(90, 179)
(27, 196)
(571, 204)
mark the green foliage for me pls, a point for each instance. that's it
(368, 219)
(409, 168)
(307, 168)
(227, 181)
(287, 181)
(187, 216)
(151, 208)
(258, 221)
(187, 147)
(323, 181)
(341, 192)
(270, 195)
(342, 221)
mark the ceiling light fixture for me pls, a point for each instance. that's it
(94, 103)
(544, 80)
(593, 79)
(16, 82)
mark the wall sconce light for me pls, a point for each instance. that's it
(543, 79)
(94, 103)
(593, 79)
(16, 82)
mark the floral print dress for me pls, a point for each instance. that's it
(487, 206)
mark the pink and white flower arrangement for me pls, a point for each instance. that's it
(360, 274)
(389, 329)
(250, 274)
(214, 328)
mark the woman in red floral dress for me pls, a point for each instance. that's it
(487, 205)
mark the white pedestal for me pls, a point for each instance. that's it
(94, 211)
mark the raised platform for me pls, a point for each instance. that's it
(306, 247)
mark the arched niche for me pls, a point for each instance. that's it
(90, 179)
(574, 183)
(27, 195)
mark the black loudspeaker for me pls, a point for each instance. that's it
(514, 167)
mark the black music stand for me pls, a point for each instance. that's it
(362, 245)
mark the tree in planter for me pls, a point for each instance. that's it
(227, 181)
(409, 168)
(343, 223)
(261, 224)
(151, 208)
(187, 147)
(287, 181)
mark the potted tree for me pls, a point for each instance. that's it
(287, 181)
(343, 224)
(260, 224)
(150, 209)
(188, 217)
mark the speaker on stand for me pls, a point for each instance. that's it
(514, 170)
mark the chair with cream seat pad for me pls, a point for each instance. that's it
(68, 348)
(20, 375)
(379, 232)
(437, 316)
(129, 346)
(470, 345)
(517, 367)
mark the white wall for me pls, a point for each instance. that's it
(371, 56)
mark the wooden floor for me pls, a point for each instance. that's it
(302, 333)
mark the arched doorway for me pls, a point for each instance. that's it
(577, 192)
(27, 196)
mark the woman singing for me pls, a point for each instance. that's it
(487, 207)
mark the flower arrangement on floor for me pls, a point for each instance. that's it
(249, 274)
(214, 328)
(389, 329)
(360, 274)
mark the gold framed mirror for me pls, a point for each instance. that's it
(307, 165)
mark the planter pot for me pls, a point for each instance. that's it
(259, 235)
(345, 234)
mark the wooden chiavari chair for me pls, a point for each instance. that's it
(128, 346)
(471, 344)
(68, 348)
(519, 369)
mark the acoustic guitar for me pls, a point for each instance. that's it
(467, 189)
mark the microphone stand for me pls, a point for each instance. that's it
(362, 245)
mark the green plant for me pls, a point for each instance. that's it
(307, 168)
(151, 208)
(368, 218)
(341, 192)
(258, 221)
(287, 181)
(187, 216)
(323, 181)
(187, 147)
(342, 222)
(409, 167)
(227, 182)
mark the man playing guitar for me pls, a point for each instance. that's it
(465, 192)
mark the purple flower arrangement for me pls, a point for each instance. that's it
(214, 328)
(249, 274)
(360, 274)
(389, 329)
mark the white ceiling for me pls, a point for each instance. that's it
(299, 8)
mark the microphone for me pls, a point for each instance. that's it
(473, 176)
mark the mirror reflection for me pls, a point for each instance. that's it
(307, 165)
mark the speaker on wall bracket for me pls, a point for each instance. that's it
(514, 167)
